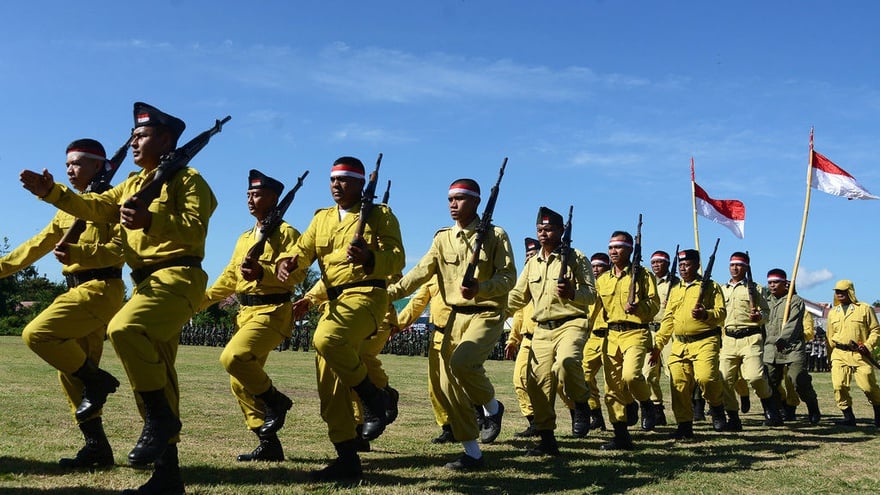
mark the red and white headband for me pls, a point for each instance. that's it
(344, 170)
(462, 188)
(86, 153)
(619, 243)
(660, 257)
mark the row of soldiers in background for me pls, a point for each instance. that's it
(817, 353)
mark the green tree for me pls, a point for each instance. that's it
(23, 295)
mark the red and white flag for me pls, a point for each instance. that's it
(728, 212)
(829, 178)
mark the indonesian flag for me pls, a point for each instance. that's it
(728, 212)
(829, 178)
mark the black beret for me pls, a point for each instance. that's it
(532, 244)
(546, 216)
(148, 115)
(689, 255)
(259, 180)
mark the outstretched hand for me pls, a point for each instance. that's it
(38, 184)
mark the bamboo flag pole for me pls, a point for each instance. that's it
(800, 247)
(694, 200)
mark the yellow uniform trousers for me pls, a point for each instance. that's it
(467, 343)
(623, 359)
(592, 363)
(694, 363)
(344, 325)
(260, 329)
(556, 357)
(438, 401)
(520, 376)
(654, 374)
(72, 329)
(146, 331)
(743, 357)
(848, 364)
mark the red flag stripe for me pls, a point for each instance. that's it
(827, 166)
(730, 208)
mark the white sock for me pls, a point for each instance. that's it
(472, 448)
(491, 407)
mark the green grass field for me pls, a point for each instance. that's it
(36, 430)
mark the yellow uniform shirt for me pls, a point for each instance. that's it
(427, 295)
(663, 286)
(521, 323)
(613, 292)
(854, 322)
(537, 284)
(736, 301)
(682, 300)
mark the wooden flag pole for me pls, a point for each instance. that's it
(800, 247)
(694, 201)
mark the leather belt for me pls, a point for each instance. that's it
(687, 339)
(140, 274)
(600, 332)
(846, 347)
(439, 329)
(78, 278)
(527, 336)
(472, 310)
(334, 292)
(554, 324)
(622, 326)
(263, 299)
(741, 333)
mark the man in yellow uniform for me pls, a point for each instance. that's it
(164, 243)
(354, 270)
(665, 279)
(560, 290)
(784, 348)
(742, 344)
(628, 339)
(69, 334)
(592, 363)
(692, 321)
(853, 334)
(519, 341)
(476, 321)
(263, 320)
(429, 295)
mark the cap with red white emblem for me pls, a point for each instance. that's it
(148, 116)
(546, 216)
(259, 180)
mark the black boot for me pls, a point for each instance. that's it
(719, 421)
(877, 415)
(632, 413)
(166, 479)
(849, 419)
(649, 419)
(529, 431)
(745, 405)
(96, 452)
(277, 405)
(813, 412)
(580, 420)
(160, 426)
(362, 444)
(597, 422)
(684, 431)
(269, 449)
(346, 466)
(98, 384)
(771, 412)
(660, 414)
(393, 399)
(621, 441)
(375, 402)
(699, 409)
(789, 413)
(547, 445)
(445, 435)
(733, 422)
(492, 425)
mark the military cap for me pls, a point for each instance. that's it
(259, 180)
(464, 186)
(689, 255)
(600, 259)
(546, 216)
(660, 256)
(532, 244)
(777, 275)
(148, 115)
(348, 166)
(89, 148)
(739, 258)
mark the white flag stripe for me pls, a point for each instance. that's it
(706, 209)
(839, 185)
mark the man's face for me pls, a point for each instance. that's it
(688, 270)
(346, 191)
(737, 271)
(81, 170)
(659, 267)
(619, 254)
(463, 207)
(530, 253)
(842, 296)
(549, 236)
(599, 270)
(778, 287)
(260, 202)
(148, 144)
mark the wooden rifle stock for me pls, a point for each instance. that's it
(483, 229)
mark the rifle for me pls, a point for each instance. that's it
(707, 281)
(174, 161)
(99, 183)
(387, 193)
(672, 277)
(750, 284)
(565, 248)
(273, 220)
(861, 349)
(369, 195)
(636, 264)
(482, 230)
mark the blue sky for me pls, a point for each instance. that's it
(597, 104)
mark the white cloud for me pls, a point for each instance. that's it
(358, 132)
(807, 278)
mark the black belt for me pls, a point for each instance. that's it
(439, 329)
(78, 278)
(263, 299)
(622, 326)
(334, 292)
(527, 336)
(600, 332)
(141, 274)
(472, 310)
(687, 339)
(554, 324)
(846, 347)
(742, 333)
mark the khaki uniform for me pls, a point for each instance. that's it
(356, 314)
(522, 330)
(855, 322)
(652, 372)
(695, 346)
(592, 361)
(742, 344)
(439, 316)
(73, 327)
(145, 332)
(628, 338)
(260, 326)
(475, 325)
(787, 364)
(556, 354)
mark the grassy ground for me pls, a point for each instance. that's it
(36, 430)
